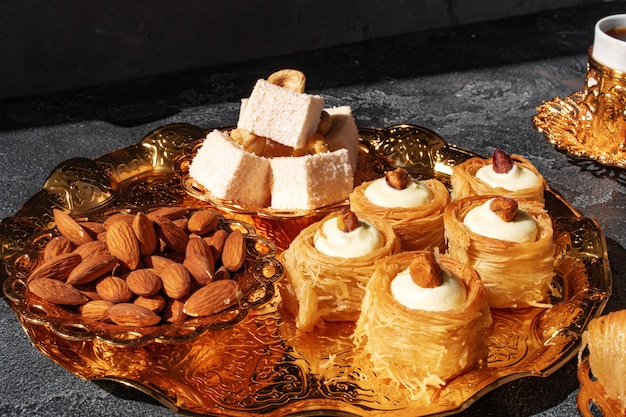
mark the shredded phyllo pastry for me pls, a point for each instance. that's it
(516, 275)
(318, 287)
(466, 184)
(418, 227)
(605, 340)
(417, 349)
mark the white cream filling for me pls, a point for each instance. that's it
(483, 221)
(517, 178)
(332, 241)
(449, 295)
(383, 195)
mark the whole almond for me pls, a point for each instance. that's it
(114, 289)
(175, 238)
(95, 310)
(181, 224)
(89, 290)
(123, 244)
(155, 303)
(198, 246)
(58, 268)
(171, 213)
(159, 263)
(143, 282)
(95, 247)
(200, 267)
(234, 251)
(70, 228)
(56, 291)
(56, 246)
(132, 315)
(119, 217)
(92, 268)
(221, 274)
(202, 222)
(212, 298)
(216, 242)
(145, 232)
(174, 310)
(176, 280)
(93, 228)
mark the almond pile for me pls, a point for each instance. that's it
(141, 269)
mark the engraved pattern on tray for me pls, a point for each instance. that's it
(262, 366)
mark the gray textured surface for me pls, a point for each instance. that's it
(477, 86)
(71, 44)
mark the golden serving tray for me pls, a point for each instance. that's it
(592, 394)
(560, 121)
(262, 365)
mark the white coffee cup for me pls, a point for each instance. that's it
(607, 49)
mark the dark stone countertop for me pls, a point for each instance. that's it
(477, 86)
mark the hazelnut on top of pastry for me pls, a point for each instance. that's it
(398, 189)
(347, 236)
(500, 218)
(503, 172)
(424, 285)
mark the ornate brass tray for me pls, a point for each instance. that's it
(262, 366)
(560, 121)
(592, 394)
